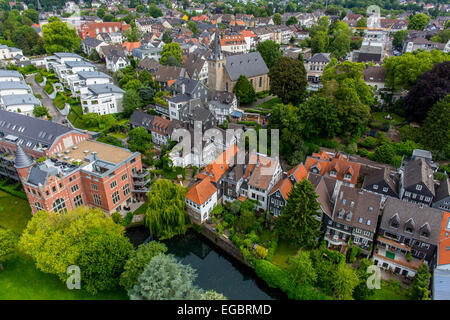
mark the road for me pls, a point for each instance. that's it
(46, 101)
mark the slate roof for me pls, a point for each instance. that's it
(443, 190)
(320, 58)
(420, 215)
(31, 130)
(249, 64)
(418, 171)
(19, 99)
(377, 175)
(5, 85)
(104, 88)
(22, 160)
(141, 119)
(91, 42)
(374, 74)
(92, 74)
(10, 73)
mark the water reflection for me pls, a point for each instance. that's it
(215, 268)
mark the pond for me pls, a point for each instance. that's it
(216, 269)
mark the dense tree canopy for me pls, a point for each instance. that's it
(430, 88)
(418, 22)
(59, 37)
(399, 37)
(165, 278)
(436, 129)
(166, 214)
(270, 52)
(8, 244)
(288, 80)
(299, 222)
(131, 101)
(139, 140)
(84, 237)
(403, 71)
(244, 90)
(172, 49)
(137, 262)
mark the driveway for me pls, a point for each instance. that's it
(46, 101)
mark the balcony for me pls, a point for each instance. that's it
(396, 257)
(140, 174)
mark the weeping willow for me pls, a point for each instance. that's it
(166, 214)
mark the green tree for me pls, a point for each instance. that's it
(398, 39)
(133, 85)
(132, 34)
(361, 291)
(167, 38)
(166, 215)
(340, 45)
(84, 237)
(212, 295)
(31, 14)
(301, 270)
(137, 262)
(139, 140)
(244, 90)
(418, 22)
(193, 27)
(39, 111)
(59, 37)
(436, 129)
(299, 222)
(420, 284)
(384, 153)
(145, 77)
(288, 80)
(270, 52)
(344, 282)
(320, 42)
(319, 117)
(246, 222)
(171, 49)
(8, 244)
(277, 19)
(154, 11)
(131, 101)
(164, 278)
(292, 20)
(94, 56)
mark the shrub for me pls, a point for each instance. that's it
(384, 153)
(369, 142)
(117, 218)
(261, 251)
(363, 152)
(396, 161)
(356, 251)
(39, 78)
(440, 176)
(274, 276)
(128, 218)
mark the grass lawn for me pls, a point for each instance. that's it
(284, 251)
(118, 135)
(142, 209)
(14, 212)
(269, 103)
(20, 280)
(388, 292)
(379, 116)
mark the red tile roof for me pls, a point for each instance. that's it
(218, 167)
(201, 191)
(444, 240)
(131, 45)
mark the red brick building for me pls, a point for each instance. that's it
(92, 29)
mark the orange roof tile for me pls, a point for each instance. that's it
(444, 240)
(299, 172)
(131, 45)
(218, 167)
(240, 22)
(338, 163)
(201, 191)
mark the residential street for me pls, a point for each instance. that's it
(46, 101)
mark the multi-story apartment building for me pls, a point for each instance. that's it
(79, 82)
(315, 66)
(88, 173)
(408, 235)
(38, 138)
(92, 29)
(102, 99)
(416, 181)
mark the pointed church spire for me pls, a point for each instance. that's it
(217, 52)
(22, 160)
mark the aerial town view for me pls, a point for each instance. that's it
(272, 150)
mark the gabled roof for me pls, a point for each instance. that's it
(418, 171)
(257, 170)
(215, 170)
(249, 64)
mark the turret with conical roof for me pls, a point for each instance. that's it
(22, 160)
(23, 163)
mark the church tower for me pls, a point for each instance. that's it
(216, 66)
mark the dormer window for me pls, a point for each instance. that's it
(347, 176)
(375, 187)
(348, 217)
(425, 234)
(418, 187)
(333, 173)
(341, 214)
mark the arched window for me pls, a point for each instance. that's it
(59, 205)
